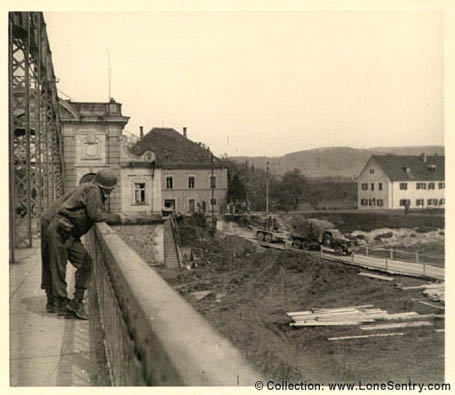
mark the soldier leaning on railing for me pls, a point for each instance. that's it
(62, 226)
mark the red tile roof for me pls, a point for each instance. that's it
(173, 150)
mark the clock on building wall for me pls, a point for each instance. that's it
(149, 156)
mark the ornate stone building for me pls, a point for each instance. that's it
(163, 169)
(92, 137)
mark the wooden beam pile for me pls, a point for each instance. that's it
(434, 291)
(351, 315)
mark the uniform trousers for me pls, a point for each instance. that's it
(55, 252)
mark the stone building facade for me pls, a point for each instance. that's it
(92, 137)
(162, 169)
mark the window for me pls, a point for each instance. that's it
(403, 202)
(169, 203)
(403, 186)
(364, 187)
(169, 182)
(442, 185)
(421, 185)
(372, 202)
(380, 202)
(371, 171)
(139, 192)
(191, 205)
(432, 202)
(364, 202)
(442, 202)
(372, 186)
(420, 202)
(191, 182)
(431, 185)
(380, 186)
(213, 182)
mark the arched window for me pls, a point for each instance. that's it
(87, 178)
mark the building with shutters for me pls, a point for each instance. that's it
(184, 171)
(162, 169)
(394, 181)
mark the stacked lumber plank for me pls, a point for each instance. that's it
(351, 315)
(434, 291)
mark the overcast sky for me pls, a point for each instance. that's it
(262, 83)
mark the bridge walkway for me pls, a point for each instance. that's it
(45, 349)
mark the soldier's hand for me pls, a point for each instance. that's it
(65, 228)
(64, 234)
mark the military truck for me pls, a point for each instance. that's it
(316, 233)
(270, 232)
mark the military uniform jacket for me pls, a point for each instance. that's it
(83, 207)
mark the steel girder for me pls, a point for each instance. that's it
(35, 143)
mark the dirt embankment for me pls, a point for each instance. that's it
(251, 289)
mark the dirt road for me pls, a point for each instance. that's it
(386, 265)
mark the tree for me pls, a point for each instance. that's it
(289, 191)
(236, 189)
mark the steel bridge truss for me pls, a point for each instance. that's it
(35, 143)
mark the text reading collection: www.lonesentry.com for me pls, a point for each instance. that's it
(359, 386)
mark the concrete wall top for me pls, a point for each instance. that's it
(176, 341)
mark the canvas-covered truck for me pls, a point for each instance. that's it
(317, 233)
(270, 232)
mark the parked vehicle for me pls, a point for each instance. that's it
(316, 233)
(270, 232)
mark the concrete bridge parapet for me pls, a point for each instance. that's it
(152, 335)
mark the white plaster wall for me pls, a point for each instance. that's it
(379, 176)
(129, 176)
(413, 193)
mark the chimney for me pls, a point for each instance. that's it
(423, 157)
(141, 129)
(184, 131)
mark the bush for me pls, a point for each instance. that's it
(200, 219)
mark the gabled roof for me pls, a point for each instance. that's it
(419, 169)
(174, 150)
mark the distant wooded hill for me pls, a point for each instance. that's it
(331, 162)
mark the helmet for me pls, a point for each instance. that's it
(106, 179)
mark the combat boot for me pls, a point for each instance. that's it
(50, 305)
(62, 306)
(77, 306)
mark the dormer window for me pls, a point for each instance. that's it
(407, 169)
(432, 168)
